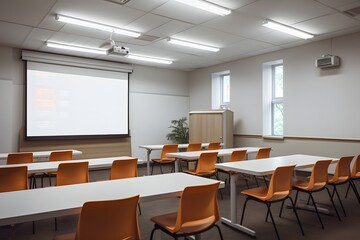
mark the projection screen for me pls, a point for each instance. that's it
(73, 102)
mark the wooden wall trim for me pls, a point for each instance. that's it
(300, 138)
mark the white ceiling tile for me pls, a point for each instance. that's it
(328, 23)
(241, 24)
(147, 23)
(13, 34)
(336, 3)
(73, 39)
(37, 38)
(147, 5)
(207, 36)
(286, 11)
(348, 6)
(170, 28)
(179, 11)
(24, 12)
(82, 31)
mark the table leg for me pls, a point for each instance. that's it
(176, 166)
(232, 222)
(148, 162)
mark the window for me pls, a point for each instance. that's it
(273, 107)
(277, 106)
(221, 90)
(225, 91)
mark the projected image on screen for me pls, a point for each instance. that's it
(73, 104)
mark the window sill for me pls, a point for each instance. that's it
(273, 137)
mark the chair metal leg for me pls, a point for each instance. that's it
(265, 181)
(257, 184)
(297, 217)
(152, 233)
(33, 227)
(347, 191)
(139, 208)
(243, 212)
(337, 194)
(161, 170)
(316, 210)
(219, 230)
(281, 209)
(332, 201)
(273, 222)
(296, 197)
(267, 214)
(352, 184)
(152, 168)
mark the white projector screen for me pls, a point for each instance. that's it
(72, 102)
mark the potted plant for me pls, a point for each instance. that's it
(180, 131)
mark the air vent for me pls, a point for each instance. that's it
(121, 2)
(327, 61)
(148, 38)
(353, 12)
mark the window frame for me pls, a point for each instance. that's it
(275, 100)
(224, 104)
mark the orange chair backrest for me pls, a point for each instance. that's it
(342, 170)
(168, 148)
(109, 220)
(319, 175)
(263, 153)
(198, 208)
(124, 169)
(281, 183)
(13, 179)
(21, 157)
(192, 147)
(214, 146)
(61, 155)
(239, 155)
(206, 162)
(72, 173)
(356, 166)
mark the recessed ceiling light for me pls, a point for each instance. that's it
(76, 48)
(193, 45)
(94, 25)
(149, 59)
(207, 6)
(286, 29)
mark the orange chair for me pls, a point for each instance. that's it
(262, 153)
(206, 165)
(214, 146)
(236, 156)
(56, 156)
(318, 181)
(355, 175)
(124, 169)
(279, 190)
(168, 148)
(14, 179)
(107, 220)
(72, 173)
(23, 157)
(341, 176)
(192, 147)
(198, 212)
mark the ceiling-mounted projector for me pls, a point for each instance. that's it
(118, 50)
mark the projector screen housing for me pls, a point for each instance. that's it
(64, 102)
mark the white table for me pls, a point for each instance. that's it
(3, 156)
(50, 166)
(66, 200)
(221, 153)
(150, 148)
(260, 167)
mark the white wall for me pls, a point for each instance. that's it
(151, 89)
(317, 103)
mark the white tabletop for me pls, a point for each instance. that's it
(49, 166)
(41, 203)
(268, 165)
(41, 154)
(181, 146)
(221, 152)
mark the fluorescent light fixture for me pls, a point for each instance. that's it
(97, 26)
(76, 48)
(149, 59)
(286, 29)
(193, 45)
(207, 6)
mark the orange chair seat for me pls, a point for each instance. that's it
(262, 192)
(164, 160)
(333, 180)
(304, 185)
(207, 173)
(357, 175)
(168, 221)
